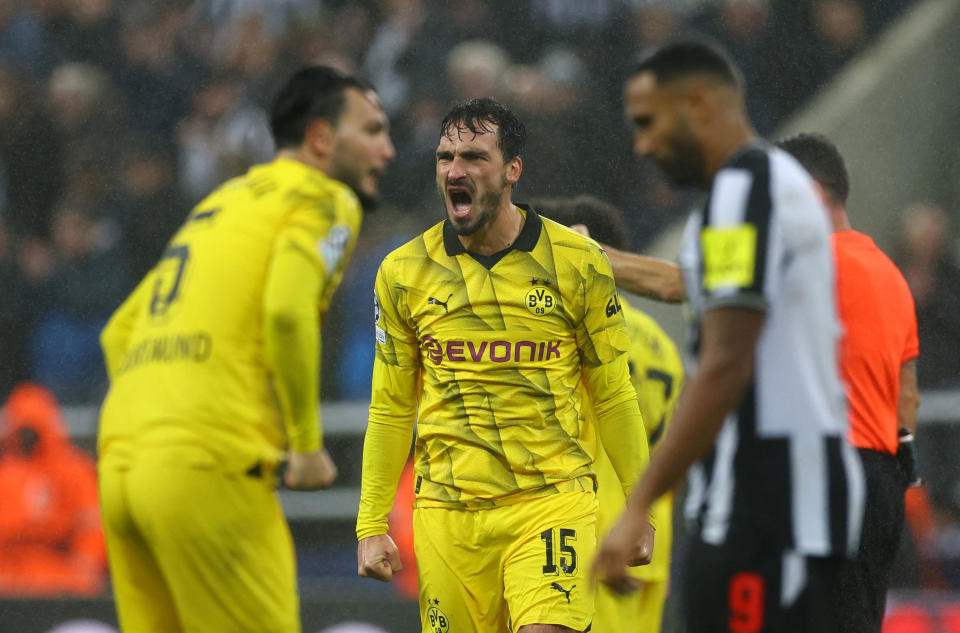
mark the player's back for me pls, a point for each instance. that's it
(880, 334)
(656, 371)
(192, 372)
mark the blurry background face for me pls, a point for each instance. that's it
(661, 132)
(362, 149)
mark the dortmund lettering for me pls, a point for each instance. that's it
(194, 346)
(461, 351)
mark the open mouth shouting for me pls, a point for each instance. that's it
(461, 200)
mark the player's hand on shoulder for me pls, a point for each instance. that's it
(310, 471)
(378, 557)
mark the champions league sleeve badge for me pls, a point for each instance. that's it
(381, 335)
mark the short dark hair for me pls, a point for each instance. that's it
(478, 115)
(821, 158)
(604, 221)
(314, 92)
(682, 58)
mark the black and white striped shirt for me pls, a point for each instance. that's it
(780, 467)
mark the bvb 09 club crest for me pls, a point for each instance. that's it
(540, 301)
(436, 618)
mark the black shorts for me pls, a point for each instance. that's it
(742, 587)
(864, 582)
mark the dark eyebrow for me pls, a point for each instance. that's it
(469, 154)
(642, 120)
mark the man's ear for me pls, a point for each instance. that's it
(699, 103)
(514, 169)
(319, 137)
(822, 194)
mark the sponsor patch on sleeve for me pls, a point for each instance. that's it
(729, 256)
(381, 335)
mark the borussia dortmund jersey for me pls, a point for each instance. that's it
(656, 371)
(191, 370)
(487, 354)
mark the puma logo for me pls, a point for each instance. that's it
(565, 592)
(437, 302)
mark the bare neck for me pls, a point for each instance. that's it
(499, 232)
(839, 221)
(735, 132)
(300, 154)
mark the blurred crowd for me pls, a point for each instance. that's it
(116, 116)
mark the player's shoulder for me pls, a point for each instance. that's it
(640, 321)
(563, 239)
(304, 186)
(645, 330)
(766, 165)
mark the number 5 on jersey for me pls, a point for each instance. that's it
(168, 279)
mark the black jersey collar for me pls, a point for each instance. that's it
(526, 241)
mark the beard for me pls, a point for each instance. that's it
(685, 166)
(351, 173)
(483, 208)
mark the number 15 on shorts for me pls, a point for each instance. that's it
(560, 553)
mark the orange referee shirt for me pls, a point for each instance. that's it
(880, 334)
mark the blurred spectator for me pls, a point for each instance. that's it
(80, 77)
(24, 40)
(841, 29)
(155, 85)
(744, 27)
(90, 32)
(14, 319)
(476, 68)
(88, 281)
(398, 32)
(82, 103)
(146, 204)
(30, 158)
(926, 257)
(51, 540)
(222, 136)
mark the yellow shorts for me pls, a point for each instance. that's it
(198, 550)
(499, 569)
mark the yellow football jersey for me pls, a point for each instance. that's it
(487, 354)
(656, 370)
(191, 371)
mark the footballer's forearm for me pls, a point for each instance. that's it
(292, 345)
(908, 400)
(386, 445)
(647, 276)
(625, 441)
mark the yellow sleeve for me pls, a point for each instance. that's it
(604, 347)
(393, 406)
(292, 333)
(115, 337)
